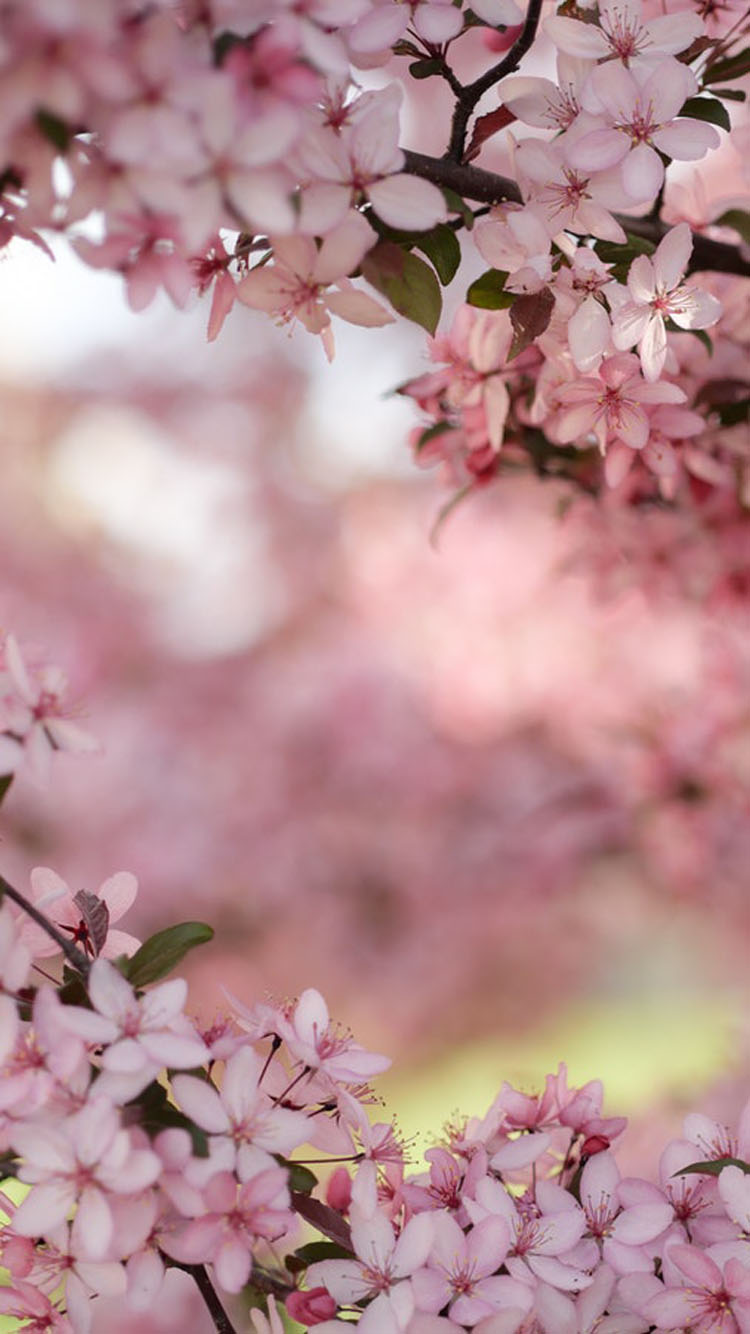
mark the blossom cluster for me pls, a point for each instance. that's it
(229, 145)
(146, 1141)
(605, 381)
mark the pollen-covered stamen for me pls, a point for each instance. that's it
(642, 124)
(681, 301)
(685, 1198)
(562, 107)
(625, 34)
(600, 1216)
(377, 1279)
(463, 1279)
(568, 193)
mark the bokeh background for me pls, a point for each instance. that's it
(488, 792)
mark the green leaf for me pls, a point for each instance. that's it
(725, 71)
(408, 283)
(55, 130)
(488, 291)
(432, 432)
(700, 334)
(424, 69)
(301, 1178)
(731, 414)
(706, 108)
(456, 204)
(442, 249)
(530, 314)
(714, 1167)
(613, 252)
(322, 1250)
(738, 220)
(161, 953)
(732, 94)
(622, 256)
(156, 1113)
(5, 782)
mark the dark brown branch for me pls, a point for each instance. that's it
(74, 956)
(472, 92)
(469, 182)
(474, 183)
(222, 1323)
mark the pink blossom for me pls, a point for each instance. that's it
(636, 117)
(462, 1270)
(33, 715)
(318, 1046)
(241, 1113)
(657, 294)
(85, 915)
(710, 1300)
(295, 286)
(139, 1035)
(612, 407)
(622, 33)
(79, 1162)
(237, 1216)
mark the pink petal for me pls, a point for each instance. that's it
(642, 173)
(358, 308)
(201, 1103)
(119, 892)
(577, 39)
(687, 140)
(407, 202)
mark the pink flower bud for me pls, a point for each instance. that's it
(594, 1144)
(311, 1308)
(500, 41)
(339, 1190)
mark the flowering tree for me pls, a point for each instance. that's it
(229, 148)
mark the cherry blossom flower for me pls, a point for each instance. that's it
(612, 406)
(711, 1300)
(78, 1163)
(636, 116)
(318, 1046)
(621, 32)
(295, 286)
(237, 1216)
(657, 294)
(564, 195)
(84, 915)
(462, 1269)
(33, 716)
(139, 1035)
(384, 1258)
(241, 1113)
(362, 161)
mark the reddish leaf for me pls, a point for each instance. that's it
(485, 127)
(95, 917)
(328, 1221)
(530, 314)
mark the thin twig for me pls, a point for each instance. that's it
(471, 182)
(74, 956)
(472, 92)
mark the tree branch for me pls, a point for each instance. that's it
(472, 92)
(467, 181)
(486, 186)
(207, 1291)
(74, 956)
